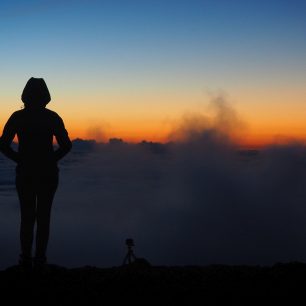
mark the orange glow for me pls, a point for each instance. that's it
(270, 116)
(248, 140)
(258, 136)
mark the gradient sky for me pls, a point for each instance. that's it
(132, 68)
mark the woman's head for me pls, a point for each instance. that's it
(36, 93)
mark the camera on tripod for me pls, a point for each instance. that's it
(130, 257)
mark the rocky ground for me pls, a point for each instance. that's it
(146, 285)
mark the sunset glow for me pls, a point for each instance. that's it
(135, 75)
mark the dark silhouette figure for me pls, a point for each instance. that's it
(36, 171)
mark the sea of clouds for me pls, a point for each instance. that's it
(198, 199)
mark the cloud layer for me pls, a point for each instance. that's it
(200, 200)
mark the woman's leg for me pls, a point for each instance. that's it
(27, 199)
(45, 195)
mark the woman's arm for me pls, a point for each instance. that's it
(62, 139)
(7, 137)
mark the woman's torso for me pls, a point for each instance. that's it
(35, 130)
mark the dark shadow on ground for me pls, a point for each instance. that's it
(143, 284)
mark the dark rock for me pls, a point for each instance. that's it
(141, 283)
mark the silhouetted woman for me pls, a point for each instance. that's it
(36, 171)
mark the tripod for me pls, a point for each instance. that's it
(129, 257)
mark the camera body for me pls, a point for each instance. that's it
(129, 242)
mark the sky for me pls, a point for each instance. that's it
(134, 69)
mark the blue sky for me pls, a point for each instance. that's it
(133, 34)
(153, 46)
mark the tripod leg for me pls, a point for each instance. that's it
(125, 259)
(129, 258)
(133, 256)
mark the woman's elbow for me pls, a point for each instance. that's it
(2, 145)
(69, 146)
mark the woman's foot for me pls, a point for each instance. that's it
(25, 262)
